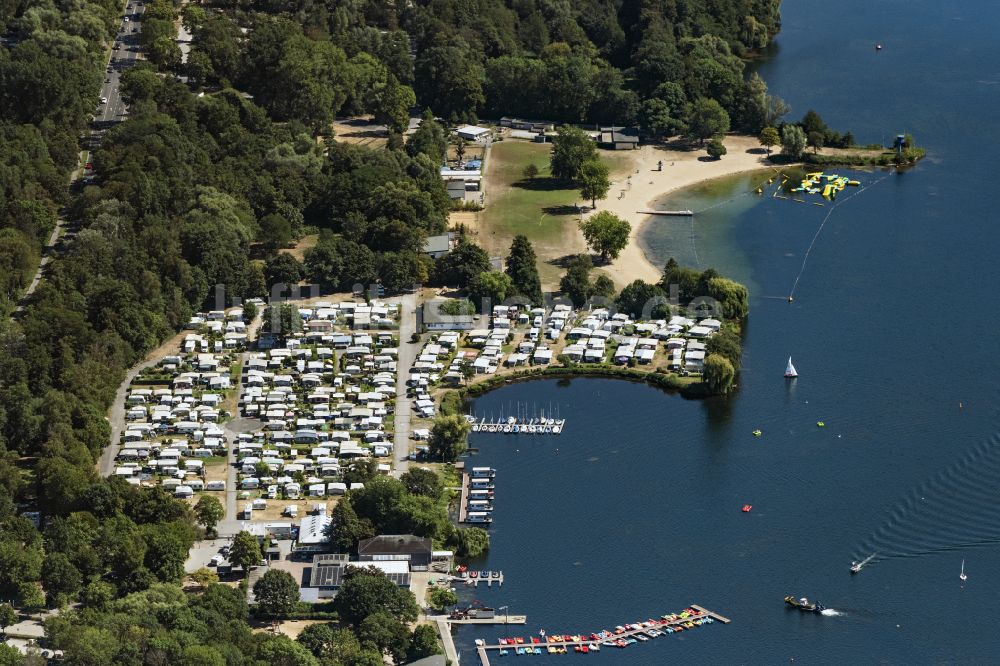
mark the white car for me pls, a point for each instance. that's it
(126, 19)
(104, 100)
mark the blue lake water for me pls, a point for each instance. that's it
(635, 510)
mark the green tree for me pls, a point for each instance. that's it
(530, 172)
(449, 79)
(420, 481)
(275, 231)
(575, 283)
(346, 529)
(656, 119)
(448, 438)
(718, 373)
(97, 595)
(202, 655)
(603, 286)
(8, 617)
(726, 344)
(367, 591)
(571, 149)
(209, 511)
(812, 122)
(708, 118)
(470, 542)
(249, 311)
(283, 269)
(441, 597)
(458, 267)
(815, 141)
(60, 578)
(392, 104)
(731, 295)
(204, 577)
(639, 299)
(429, 139)
(769, 138)
(276, 592)
(793, 140)
(280, 650)
(424, 643)
(385, 633)
(522, 267)
(606, 233)
(488, 289)
(716, 149)
(594, 181)
(245, 551)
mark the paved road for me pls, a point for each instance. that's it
(106, 465)
(123, 56)
(404, 361)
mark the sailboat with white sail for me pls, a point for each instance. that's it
(790, 371)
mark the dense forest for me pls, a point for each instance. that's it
(224, 160)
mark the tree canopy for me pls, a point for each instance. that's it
(606, 233)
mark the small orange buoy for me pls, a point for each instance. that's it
(747, 507)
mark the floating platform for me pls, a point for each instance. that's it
(671, 213)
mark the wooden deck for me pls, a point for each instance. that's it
(483, 650)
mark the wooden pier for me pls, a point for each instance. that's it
(711, 614)
(604, 641)
(463, 503)
(671, 213)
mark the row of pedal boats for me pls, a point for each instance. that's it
(532, 427)
(621, 637)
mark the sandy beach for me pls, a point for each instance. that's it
(645, 185)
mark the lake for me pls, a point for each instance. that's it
(634, 511)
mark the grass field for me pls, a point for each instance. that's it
(543, 210)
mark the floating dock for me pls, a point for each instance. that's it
(672, 213)
(606, 640)
(485, 577)
(513, 426)
(476, 502)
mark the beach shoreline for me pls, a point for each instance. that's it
(646, 184)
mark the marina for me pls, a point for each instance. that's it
(621, 637)
(515, 426)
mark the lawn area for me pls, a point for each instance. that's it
(542, 210)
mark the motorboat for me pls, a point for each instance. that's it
(804, 604)
(857, 566)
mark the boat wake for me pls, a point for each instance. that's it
(830, 612)
(954, 509)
